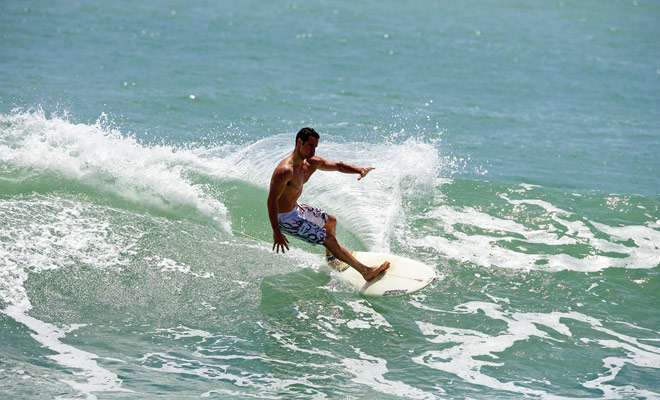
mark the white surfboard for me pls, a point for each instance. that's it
(405, 276)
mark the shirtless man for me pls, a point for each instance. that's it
(306, 222)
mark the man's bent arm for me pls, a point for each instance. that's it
(271, 203)
(277, 186)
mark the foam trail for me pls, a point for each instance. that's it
(48, 234)
(639, 354)
(463, 350)
(206, 368)
(97, 379)
(370, 371)
(488, 250)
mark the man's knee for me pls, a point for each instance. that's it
(330, 239)
(331, 222)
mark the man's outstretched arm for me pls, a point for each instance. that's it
(340, 166)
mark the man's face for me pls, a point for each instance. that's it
(308, 149)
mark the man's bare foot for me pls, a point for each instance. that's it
(372, 273)
(333, 261)
(336, 263)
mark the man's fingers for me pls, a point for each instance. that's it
(280, 246)
(365, 172)
(279, 243)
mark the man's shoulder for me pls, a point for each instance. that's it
(283, 170)
(315, 161)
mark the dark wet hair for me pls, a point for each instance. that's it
(305, 133)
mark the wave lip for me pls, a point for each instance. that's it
(104, 160)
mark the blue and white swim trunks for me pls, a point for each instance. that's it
(304, 222)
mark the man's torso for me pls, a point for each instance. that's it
(294, 187)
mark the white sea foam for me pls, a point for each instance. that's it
(45, 233)
(168, 265)
(83, 363)
(328, 326)
(370, 207)
(185, 332)
(541, 203)
(105, 160)
(370, 318)
(637, 354)
(206, 367)
(486, 249)
(369, 370)
(465, 352)
(527, 186)
(168, 363)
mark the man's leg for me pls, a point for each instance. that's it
(331, 226)
(368, 273)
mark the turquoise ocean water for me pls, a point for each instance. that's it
(516, 150)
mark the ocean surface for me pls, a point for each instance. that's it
(516, 146)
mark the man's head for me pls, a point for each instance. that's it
(306, 141)
(305, 133)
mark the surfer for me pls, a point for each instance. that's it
(303, 221)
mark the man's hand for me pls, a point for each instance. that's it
(280, 242)
(364, 172)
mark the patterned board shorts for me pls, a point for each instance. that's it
(305, 222)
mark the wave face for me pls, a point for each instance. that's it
(130, 269)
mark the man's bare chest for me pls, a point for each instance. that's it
(301, 175)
